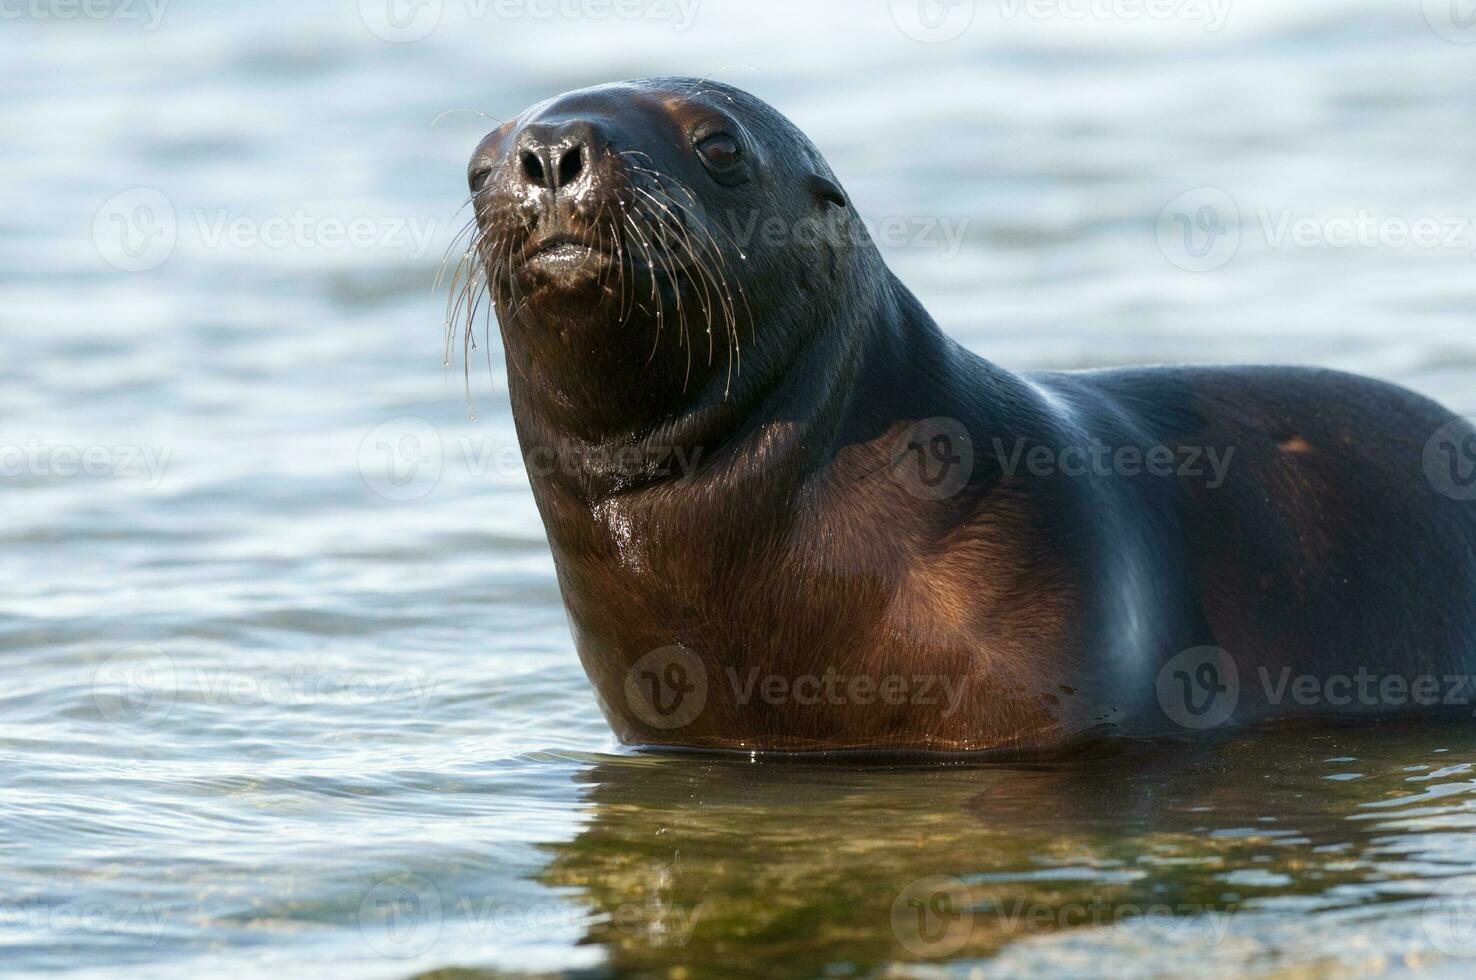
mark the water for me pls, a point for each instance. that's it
(290, 689)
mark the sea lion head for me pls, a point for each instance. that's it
(651, 247)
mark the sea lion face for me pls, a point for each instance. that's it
(640, 205)
(572, 183)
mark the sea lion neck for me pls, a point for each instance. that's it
(765, 434)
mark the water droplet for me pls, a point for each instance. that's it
(472, 417)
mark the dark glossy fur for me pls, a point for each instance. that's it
(791, 547)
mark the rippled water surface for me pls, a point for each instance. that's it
(289, 685)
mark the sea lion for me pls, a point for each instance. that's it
(790, 515)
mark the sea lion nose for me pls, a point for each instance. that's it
(553, 155)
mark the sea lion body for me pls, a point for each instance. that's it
(866, 538)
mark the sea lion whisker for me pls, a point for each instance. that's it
(672, 274)
(479, 112)
(712, 268)
(649, 262)
(664, 256)
(721, 276)
(620, 259)
(460, 296)
(701, 225)
(462, 267)
(695, 260)
(737, 280)
(469, 228)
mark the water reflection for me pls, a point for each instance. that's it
(689, 864)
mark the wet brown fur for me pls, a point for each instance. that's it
(791, 547)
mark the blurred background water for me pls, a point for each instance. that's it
(290, 688)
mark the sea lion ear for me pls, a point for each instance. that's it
(827, 190)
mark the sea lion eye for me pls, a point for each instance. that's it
(720, 151)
